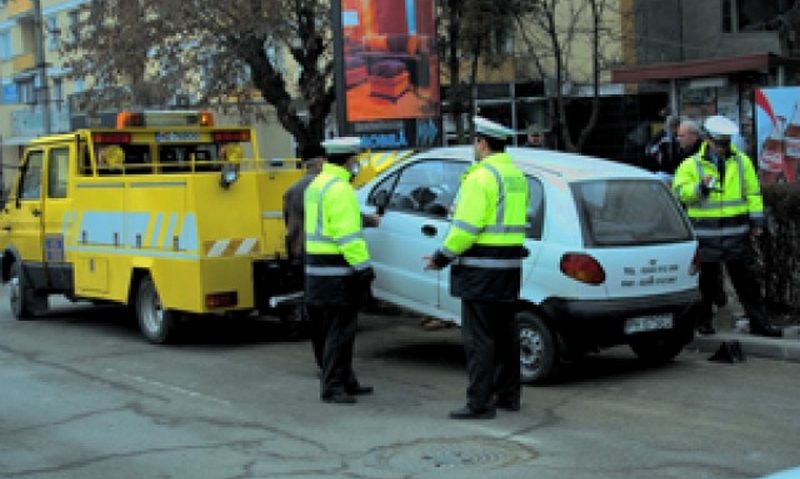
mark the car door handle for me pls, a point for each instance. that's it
(429, 230)
(36, 212)
(7, 228)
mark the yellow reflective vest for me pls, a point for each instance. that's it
(722, 216)
(487, 233)
(335, 248)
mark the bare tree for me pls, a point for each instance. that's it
(228, 52)
(472, 27)
(552, 31)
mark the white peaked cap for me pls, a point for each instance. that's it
(342, 146)
(718, 126)
(491, 129)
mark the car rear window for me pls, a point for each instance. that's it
(629, 212)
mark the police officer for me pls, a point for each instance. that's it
(721, 192)
(485, 247)
(338, 272)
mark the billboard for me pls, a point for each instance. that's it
(777, 137)
(387, 69)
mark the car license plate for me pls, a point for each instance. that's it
(652, 322)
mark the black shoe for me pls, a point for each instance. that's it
(706, 330)
(508, 405)
(339, 398)
(467, 412)
(767, 331)
(360, 390)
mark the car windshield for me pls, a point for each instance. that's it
(627, 212)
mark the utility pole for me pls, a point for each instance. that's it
(43, 96)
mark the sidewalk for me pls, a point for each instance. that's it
(786, 348)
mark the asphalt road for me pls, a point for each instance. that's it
(83, 396)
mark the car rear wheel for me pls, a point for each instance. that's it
(661, 347)
(156, 323)
(538, 350)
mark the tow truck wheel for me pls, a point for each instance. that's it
(538, 354)
(157, 324)
(17, 294)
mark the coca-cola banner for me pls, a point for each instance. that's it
(777, 115)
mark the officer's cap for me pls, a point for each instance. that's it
(491, 129)
(720, 128)
(348, 145)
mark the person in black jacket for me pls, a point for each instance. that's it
(663, 152)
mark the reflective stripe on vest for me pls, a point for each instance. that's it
(488, 263)
(498, 227)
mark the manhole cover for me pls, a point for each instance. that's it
(432, 454)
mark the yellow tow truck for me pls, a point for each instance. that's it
(166, 213)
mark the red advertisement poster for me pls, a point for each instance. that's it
(390, 60)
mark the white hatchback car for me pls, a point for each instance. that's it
(613, 258)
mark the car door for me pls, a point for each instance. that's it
(54, 208)
(417, 200)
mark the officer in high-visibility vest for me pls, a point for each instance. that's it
(338, 272)
(485, 247)
(722, 195)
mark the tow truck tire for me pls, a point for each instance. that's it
(538, 349)
(157, 324)
(18, 294)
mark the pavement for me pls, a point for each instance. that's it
(730, 328)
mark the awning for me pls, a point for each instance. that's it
(699, 68)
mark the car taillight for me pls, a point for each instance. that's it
(583, 268)
(694, 268)
(221, 300)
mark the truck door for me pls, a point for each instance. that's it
(25, 212)
(54, 208)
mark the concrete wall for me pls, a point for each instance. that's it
(677, 30)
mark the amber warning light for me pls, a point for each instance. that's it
(127, 119)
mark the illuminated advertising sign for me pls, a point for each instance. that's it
(387, 71)
(777, 119)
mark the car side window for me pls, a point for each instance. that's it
(427, 187)
(31, 185)
(535, 217)
(57, 173)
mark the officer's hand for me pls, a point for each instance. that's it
(371, 220)
(430, 265)
(756, 231)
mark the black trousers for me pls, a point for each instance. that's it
(333, 332)
(746, 283)
(490, 332)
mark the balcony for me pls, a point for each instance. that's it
(17, 8)
(27, 122)
(20, 63)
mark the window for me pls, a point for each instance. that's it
(629, 212)
(31, 184)
(535, 216)
(57, 173)
(74, 25)
(52, 33)
(25, 91)
(744, 15)
(427, 187)
(57, 96)
(5, 45)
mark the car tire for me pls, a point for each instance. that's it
(538, 351)
(156, 324)
(660, 348)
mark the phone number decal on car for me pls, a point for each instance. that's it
(177, 136)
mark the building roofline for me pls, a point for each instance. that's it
(699, 68)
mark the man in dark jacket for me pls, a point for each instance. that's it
(663, 153)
